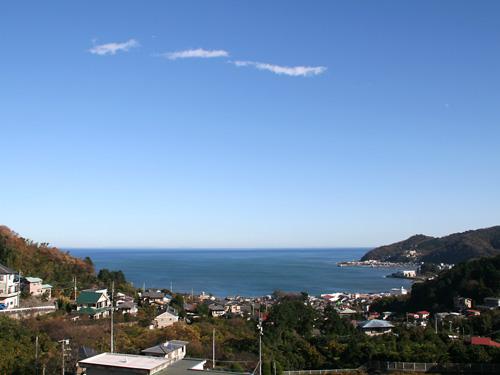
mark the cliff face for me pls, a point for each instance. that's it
(51, 264)
(454, 248)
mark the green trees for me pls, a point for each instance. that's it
(17, 348)
(106, 277)
(52, 265)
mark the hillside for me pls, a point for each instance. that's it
(40, 260)
(454, 248)
(475, 279)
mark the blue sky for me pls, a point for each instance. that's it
(248, 123)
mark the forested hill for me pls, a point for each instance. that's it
(474, 279)
(454, 248)
(40, 260)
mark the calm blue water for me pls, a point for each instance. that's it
(244, 272)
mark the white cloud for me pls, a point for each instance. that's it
(196, 53)
(294, 71)
(113, 48)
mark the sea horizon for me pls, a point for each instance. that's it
(224, 272)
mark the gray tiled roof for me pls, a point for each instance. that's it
(6, 270)
(375, 323)
(165, 348)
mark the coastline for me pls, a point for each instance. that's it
(245, 273)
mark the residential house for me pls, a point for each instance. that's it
(165, 319)
(151, 297)
(173, 350)
(376, 327)
(399, 291)
(462, 303)
(216, 310)
(124, 364)
(483, 341)
(94, 303)
(346, 312)
(492, 302)
(126, 307)
(232, 307)
(116, 363)
(406, 274)
(472, 312)
(423, 314)
(204, 297)
(125, 304)
(9, 288)
(35, 287)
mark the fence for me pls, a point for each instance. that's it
(322, 372)
(451, 368)
(22, 312)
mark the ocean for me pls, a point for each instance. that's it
(244, 272)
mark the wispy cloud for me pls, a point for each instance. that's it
(294, 71)
(113, 48)
(196, 53)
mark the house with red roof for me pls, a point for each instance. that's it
(484, 341)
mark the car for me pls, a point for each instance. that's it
(3, 306)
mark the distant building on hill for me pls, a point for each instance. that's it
(405, 274)
(94, 303)
(375, 327)
(151, 297)
(9, 288)
(216, 310)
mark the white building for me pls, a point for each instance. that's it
(94, 303)
(406, 273)
(173, 350)
(9, 288)
(165, 319)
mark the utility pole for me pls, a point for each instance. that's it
(171, 288)
(213, 348)
(436, 323)
(74, 286)
(261, 332)
(36, 355)
(18, 288)
(63, 352)
(112, 310)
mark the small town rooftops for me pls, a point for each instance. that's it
(375, 323)
(129, 361)
(6, 270)
(33, 279)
